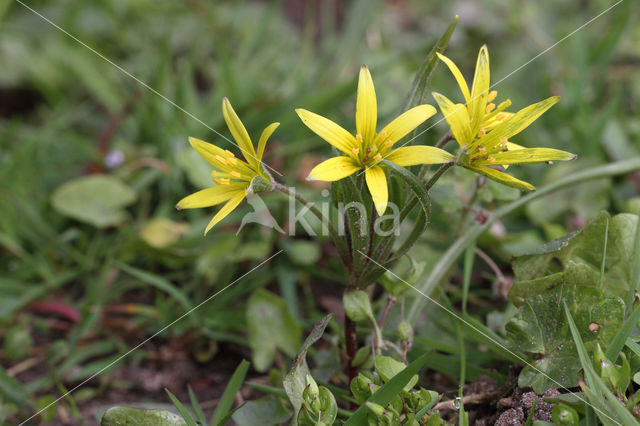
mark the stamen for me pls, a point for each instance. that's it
(505, 104)
(377, 157)
(492, 95)
(222, 160)
(359, 138)
(482, 132)
(235, 174)
(233, 161)
(481, 149)
(221, 181)
(383, 134)
(501, 116)
(355, 151)
(490, 107)
(229, 153)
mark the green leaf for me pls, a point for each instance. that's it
(294, 381)
(268, 411)
(12, 390)
(541, 329)
(229, 394)
(182, 409)
(581, 255)
(419, 85)
(388, 391)
(47, 407)
(357, 306)
(303, 253)
(623, 334)
(388, 367)
(98, 200)
(125, 416)
(440, 270)
(271, 326)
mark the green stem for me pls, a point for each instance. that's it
(447, 260)
(436, 176)
(441, 143)
(339, 242)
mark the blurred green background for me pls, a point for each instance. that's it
(89, 270)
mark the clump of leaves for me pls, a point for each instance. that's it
(592, 271)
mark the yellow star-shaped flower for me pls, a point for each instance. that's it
(367, 148)
(234, 177)
(483, 130)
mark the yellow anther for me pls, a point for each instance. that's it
(229, 153)
(222, 159)
(355, 151)
(481, 149)
(491, 160)
(501, 116)
(232, 160)
(387, 144)
(492, 95)
(383, 134)
(235, 174)
(359, 138)
(490, 107)
(504, 104)
(221, 181)
(377, 157)
(482, 132)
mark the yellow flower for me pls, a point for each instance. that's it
(367, 148)
(483, 130)
(234, 177)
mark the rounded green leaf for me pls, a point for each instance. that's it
(98, 200)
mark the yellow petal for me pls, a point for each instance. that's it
(479, 90)
(266, 134)
(334, 169)
(377, 183)
(530, 155)
(458, 75)
(366, 106)
(238, 132)
(419, 154)
(503, 178)
(211, 196)
(517, 123)
(328, 130)
(212, 154)
(457, 117)
(225, 210)
(404, 123)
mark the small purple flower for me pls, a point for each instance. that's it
(114, 158)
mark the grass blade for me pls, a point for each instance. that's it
(182, 409)
(229, 394)
(623, 334)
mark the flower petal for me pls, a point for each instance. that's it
(517, 123)
(404, 123)
(266, 134)
(334, 169)
(328, 130)
(366, 106)
(214, 154)
(377, 183)
(529, 155)
(457, 117)
(479, 90)
(238, 132)
(211, 196)
(225, 210)
(503, 178)
(458, 75)
(419, 154)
